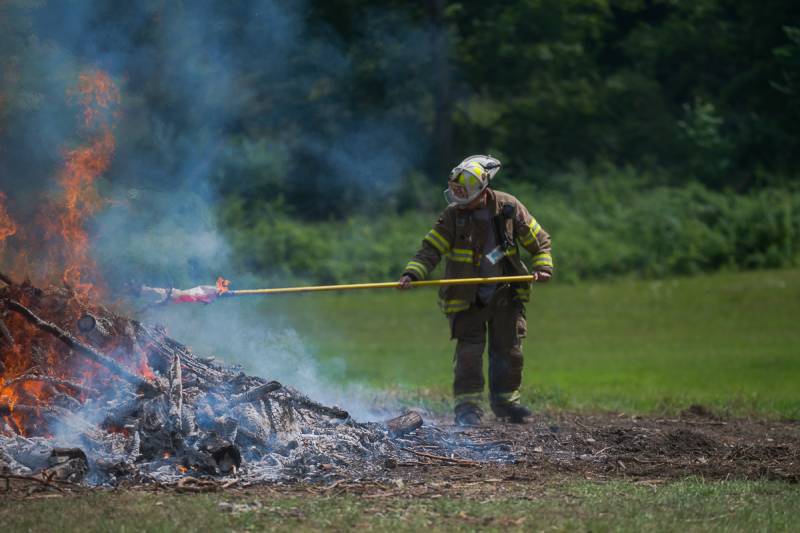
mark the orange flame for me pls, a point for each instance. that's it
(222, 285)
(7, 226)
(97, 95)
(64, 223)
(82, 167)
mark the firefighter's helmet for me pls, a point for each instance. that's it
(469, 178)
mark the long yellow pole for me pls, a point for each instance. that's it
(383, 285)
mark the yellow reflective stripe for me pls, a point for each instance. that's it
(439, 242)
(543, 259)
(461, 255)
(524, 294)
(507, 397)
(435, 244)
(534, 229)
(453, 306)
(511, 251)
(417, 268)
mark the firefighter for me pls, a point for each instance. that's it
(481, 233)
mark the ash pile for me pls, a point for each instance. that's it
(91, 397)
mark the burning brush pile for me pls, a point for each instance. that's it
(86, 394)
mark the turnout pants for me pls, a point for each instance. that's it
(504, 320)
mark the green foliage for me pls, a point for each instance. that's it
(614, 225)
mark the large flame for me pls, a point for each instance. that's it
(37, 369)
(97, 95)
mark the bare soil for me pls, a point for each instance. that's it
(602, 447)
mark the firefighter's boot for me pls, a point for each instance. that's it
(516, 413)
(468, 414)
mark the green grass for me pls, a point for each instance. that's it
(690, 505)
(730, 341)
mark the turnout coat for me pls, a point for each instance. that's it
(456, 238)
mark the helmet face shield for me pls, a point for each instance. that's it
(466, 184)
(468, 180)
(458, 191)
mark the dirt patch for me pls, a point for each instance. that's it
(604, 447)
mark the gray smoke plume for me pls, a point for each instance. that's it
(217, 98)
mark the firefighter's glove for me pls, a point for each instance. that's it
(404, 282)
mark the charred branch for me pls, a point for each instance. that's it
(164, 350)
(405, 423)
(308, 403)
(255, 394)
(5, 335)
(176, 393)
(87, 351)
(52, 380)
(5, 279)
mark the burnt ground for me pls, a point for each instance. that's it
(517, 460)
(602, 447)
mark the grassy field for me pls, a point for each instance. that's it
(690, 505)
(730, 341)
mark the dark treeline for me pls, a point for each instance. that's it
(318, 111)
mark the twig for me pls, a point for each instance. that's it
(44, 482)
(442, 458)
(89, 352)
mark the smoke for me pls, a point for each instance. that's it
(250, 98)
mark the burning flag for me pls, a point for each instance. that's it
(205, 294)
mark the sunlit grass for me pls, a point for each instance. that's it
(690, 505)
(730, 341)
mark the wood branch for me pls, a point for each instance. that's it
(405, 423)
(46, 482)
(5, 279)
(333, 412)
(87, 351)
(5, 335)
(465, 462)
(167, 348)
(176, 392)
(52, 380)
(255, 394)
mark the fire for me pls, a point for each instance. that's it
(97, 95)
(7, 226)
(82, 167)
(222, 285)
(36, 369)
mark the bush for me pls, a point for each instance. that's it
(613, 226)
